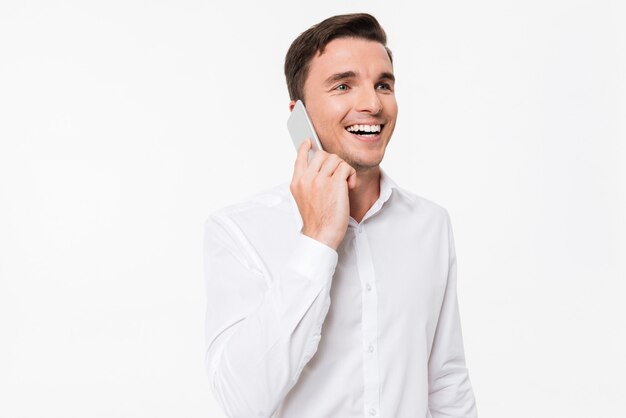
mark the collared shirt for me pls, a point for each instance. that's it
(295, 329)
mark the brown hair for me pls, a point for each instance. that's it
(314, 39)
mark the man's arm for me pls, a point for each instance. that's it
(261, 334)
(261, 331)
(450, 389)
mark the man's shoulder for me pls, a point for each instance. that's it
(409, 203)
(420, 205)
(262, 207)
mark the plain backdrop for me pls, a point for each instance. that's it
(124, 124)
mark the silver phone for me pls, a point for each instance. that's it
(300, 128)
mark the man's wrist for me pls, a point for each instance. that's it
(322, 238)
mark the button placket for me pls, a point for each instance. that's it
(371, 379)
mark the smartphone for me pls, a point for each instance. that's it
(300, 128)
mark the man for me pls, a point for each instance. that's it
(336, 296)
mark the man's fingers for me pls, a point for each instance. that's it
(352, 180)
(322, 164)
(330, 165)
(302, 158)
(316, 163)
(344, 171)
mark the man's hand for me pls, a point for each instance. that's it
(320, 188)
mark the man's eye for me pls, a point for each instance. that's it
(384, 86)
(342, 87)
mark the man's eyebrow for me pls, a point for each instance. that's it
(387, 76)
(351, 74)
(339, 76)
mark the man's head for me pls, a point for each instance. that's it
(342, 70)
(315, 39)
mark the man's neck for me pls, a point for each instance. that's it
(365, 193)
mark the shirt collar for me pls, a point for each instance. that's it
(387, 186)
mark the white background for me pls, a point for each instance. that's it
(123, 124)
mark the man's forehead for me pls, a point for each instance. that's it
(349, 47)
(352, 55)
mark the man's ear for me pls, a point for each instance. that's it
(291, 105)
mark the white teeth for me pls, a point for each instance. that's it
(364, 128)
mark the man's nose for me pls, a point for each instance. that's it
(368, 101)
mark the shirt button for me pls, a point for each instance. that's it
(368, 287)
(371, 348)
(372, 411)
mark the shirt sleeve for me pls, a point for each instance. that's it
(450, 389)
(261, 331)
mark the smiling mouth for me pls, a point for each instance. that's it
(365, 131)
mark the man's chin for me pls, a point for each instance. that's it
(362, 160)
(363, 164)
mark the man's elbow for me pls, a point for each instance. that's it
(451, 395)
(230, 391)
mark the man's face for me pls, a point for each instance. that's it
(348, 92)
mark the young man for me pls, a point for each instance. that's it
(336, 296)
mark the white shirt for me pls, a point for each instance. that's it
(295, 329)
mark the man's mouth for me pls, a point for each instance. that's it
(365, 131)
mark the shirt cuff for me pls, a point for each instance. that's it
(310, 258)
